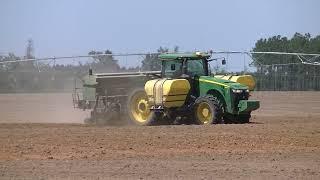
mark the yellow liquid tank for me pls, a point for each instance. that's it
(167, 92)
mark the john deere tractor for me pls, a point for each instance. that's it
(185, 92)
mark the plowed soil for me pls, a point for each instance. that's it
(42, 137)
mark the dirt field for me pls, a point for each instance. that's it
(41, 138)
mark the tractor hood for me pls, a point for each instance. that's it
(222, 82)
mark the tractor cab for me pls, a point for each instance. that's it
(184, 65)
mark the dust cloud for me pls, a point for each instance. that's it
(40, 108)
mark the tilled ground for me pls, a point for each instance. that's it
(283, 141)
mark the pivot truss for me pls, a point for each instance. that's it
(304, 58)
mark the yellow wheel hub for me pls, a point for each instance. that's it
(142, 106)
(204, 113)
(139, 107)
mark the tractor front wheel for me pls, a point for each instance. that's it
(208, 110)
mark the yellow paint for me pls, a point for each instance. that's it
(247, 80)
(204, 113)
(167, 92)
(139, 107)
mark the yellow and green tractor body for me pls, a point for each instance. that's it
(199, 83)
(184, 88)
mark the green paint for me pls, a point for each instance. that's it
(248, 105)
(89, 88)
(189, 56)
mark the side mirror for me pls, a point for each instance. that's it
(173, 67)
(223, 62)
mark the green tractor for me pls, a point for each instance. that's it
(185, 92)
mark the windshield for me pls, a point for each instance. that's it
(195, 67)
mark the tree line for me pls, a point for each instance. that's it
(286, 72)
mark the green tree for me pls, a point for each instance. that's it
(10, 66)
(104, 61)
(152, 63)
(298, 43)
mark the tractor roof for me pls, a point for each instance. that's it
(189, 56)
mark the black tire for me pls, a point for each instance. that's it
(156, 119)
(214, 106)
(109, 118)
(103, 118)
(147, 120)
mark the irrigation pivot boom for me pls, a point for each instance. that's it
(303, 57)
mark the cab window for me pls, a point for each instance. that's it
(172, 68)
(195, 67)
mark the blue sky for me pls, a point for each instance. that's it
(70, 27)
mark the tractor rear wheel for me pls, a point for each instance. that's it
(208, 110)
(139, 109)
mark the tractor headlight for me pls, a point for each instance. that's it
(240, 90)
(237, 90)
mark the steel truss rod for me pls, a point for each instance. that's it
(72, 57)
(142, 54)
(253, 52)
(300, 56)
